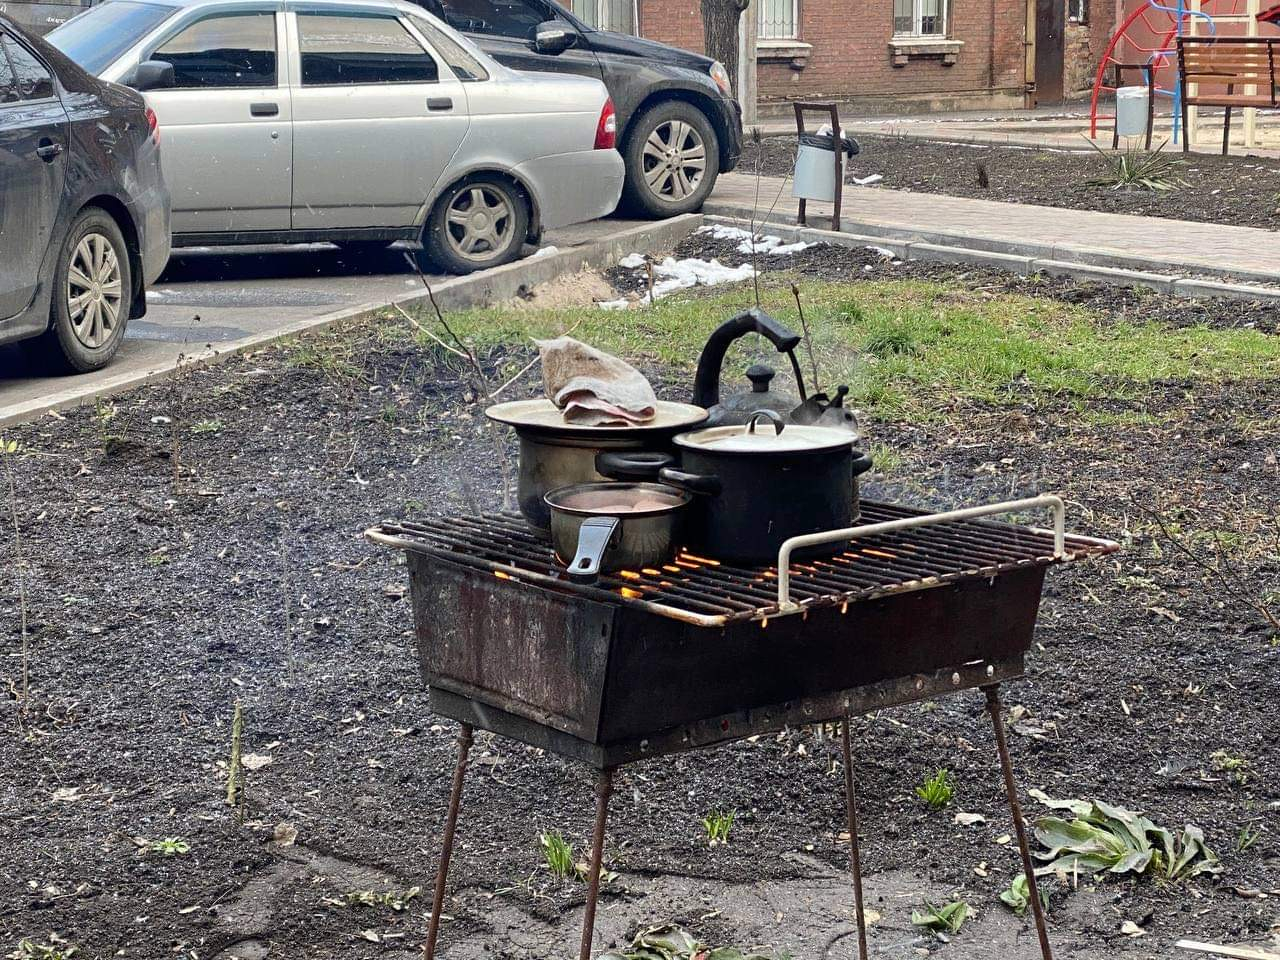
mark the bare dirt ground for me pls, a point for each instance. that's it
(1243, 191)
(165, 583)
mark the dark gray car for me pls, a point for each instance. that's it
(678, 123)
(84, 212)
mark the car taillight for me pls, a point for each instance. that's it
(607, 128)
(154, 126)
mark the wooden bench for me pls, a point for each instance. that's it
(1214, 63)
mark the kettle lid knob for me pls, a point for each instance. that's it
(760, 374)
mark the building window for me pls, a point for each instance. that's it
(1078, 11)
(616, 15)
(919, 18)
(778, 19)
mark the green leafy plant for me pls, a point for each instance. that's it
(170, 847)
(670, 942)
(937, 790)
(30, 950)
(1018, 895)
(1237, 767)
(207, 426)
(1247, 838)
(1102, 838)
(946, 919)
(718, 823)
(1136, 168)
(397, 900)
(557, 852)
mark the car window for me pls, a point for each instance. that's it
(229, 50)
(8, 82)
(96, 38)
(465, 66)
(517, 19)
(33, 81)
(361, 49)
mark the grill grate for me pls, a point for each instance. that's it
(704, 591)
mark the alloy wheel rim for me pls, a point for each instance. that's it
(479, 223)
(94, 290)
(675, 160)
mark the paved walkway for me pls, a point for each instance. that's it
(1017, 228)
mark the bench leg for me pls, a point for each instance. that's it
(1186, 131)
(1226, 122)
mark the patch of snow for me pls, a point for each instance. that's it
(672, 275)
(763, 243)
(546, 251)
(867, 181)
(631, 261)
(883, 251)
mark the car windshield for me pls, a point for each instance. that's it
(98, 36)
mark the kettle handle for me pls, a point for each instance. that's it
(706, 382)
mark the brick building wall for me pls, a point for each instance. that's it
(1085, 45)
(850, 57)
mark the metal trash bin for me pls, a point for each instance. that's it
(815, 174)
(1132, 107)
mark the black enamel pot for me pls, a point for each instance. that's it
(764, 482)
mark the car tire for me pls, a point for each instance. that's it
(658, 184)
(480, 222)
(92, 293)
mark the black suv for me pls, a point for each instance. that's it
(678, 124)
(84, 212)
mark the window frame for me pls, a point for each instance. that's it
(917, 17)
(1082, 18)
(761, 34)
(433, 39)
(443, 70)
(153, 47)
(53, 77)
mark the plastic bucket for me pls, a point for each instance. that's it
(815, 174)
(1131, 111)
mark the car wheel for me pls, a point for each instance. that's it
(481, 222)
(672, 157)
(92, 293)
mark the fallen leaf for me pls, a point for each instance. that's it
(371, 936)
(969, 819)
(1131, 929)
(1003, 839)
(255, 761)
(285, 833)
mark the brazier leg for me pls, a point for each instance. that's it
(1011, 790)
(855, 858)
(604, 788)
(446, 848)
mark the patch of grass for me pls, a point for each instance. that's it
(557, 853)
(31, 950)
(717, 824)
(887, 459)
(1247, 838)
(946, 919)
(905, 346)
(207, 426)
(170, 847)
(333, 357)
(937, 790)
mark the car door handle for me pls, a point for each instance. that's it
(48, 149)
(439, 103)
(264, 109)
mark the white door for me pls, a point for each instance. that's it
(376, 120)
(226, 134)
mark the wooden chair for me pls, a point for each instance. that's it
(1230, 63)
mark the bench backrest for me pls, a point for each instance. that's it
(1235, 61)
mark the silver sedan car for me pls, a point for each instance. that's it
(359, 122)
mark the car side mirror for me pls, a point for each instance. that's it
(554, 37)
(151, 75)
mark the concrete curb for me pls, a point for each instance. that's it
(455, 293)
(1058, 252)
(1058, 260)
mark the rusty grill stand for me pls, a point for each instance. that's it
(604, 790)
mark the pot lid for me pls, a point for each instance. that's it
(542, 415)
(766, 437)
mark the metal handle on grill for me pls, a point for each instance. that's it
(1055, 504)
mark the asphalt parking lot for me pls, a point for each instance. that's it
(219, 297)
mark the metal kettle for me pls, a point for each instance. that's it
(738, 408)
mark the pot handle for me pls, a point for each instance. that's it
(595, 536)
(632, 464)
(862, 462)
(693, 482)
(769, 415)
